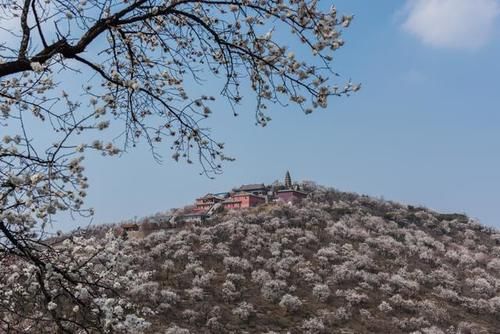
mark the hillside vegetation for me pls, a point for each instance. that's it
(337, 263)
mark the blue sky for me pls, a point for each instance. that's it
(424, 130)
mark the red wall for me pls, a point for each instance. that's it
(254, 201)
(248, 201)
(245, 201)
(232, 205)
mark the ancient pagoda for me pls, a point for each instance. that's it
(288, 181)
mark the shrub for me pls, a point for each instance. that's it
(385, 307)
(321, 292)
(273, 289)
(244, 311)
(290, 303)
(313, 326)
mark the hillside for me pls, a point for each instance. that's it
(334, 263)
(337, 263)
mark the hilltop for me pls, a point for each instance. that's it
(333, 263)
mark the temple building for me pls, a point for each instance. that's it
(256, 189)
(206, 202)
(246, 196)
(244, 200)
(290, 194)
(288, 180)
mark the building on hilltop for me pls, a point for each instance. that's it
(256, 189)
(206, 202)
(196, 216)
(244, 200)
(288, 180)
(231, 203)
(290, 195)
(131, 230)
(246, 196)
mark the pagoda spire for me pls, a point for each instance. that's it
(288, 180)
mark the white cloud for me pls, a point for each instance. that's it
(464, 24)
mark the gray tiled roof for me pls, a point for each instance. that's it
(247, 187)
